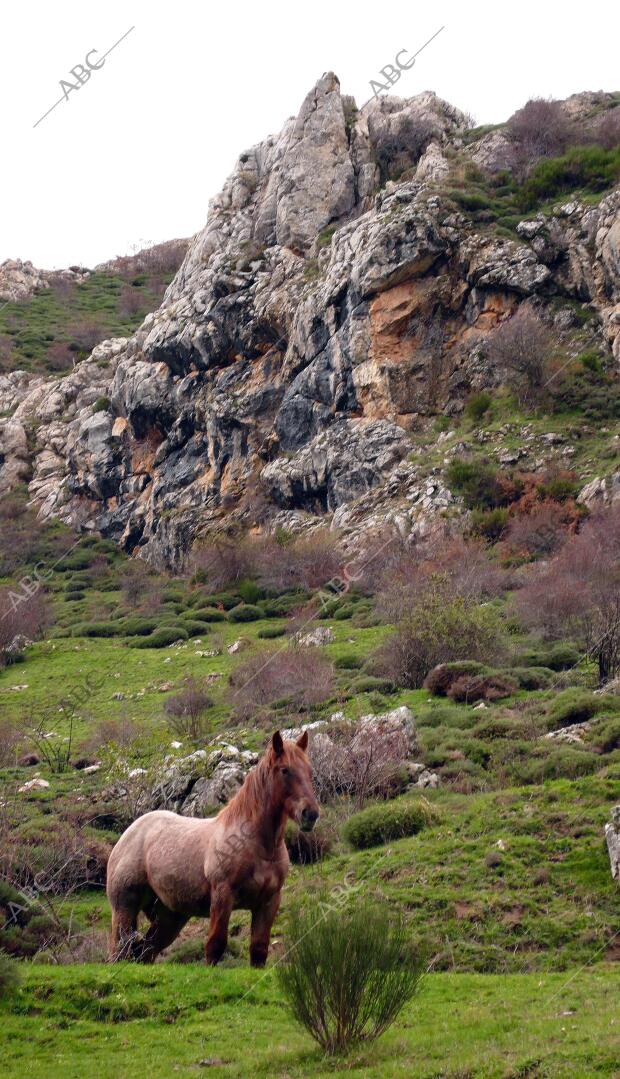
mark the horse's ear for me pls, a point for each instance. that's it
(302, 741)
(277, 744)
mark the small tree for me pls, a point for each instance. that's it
(357, 763)
(523, 346)
(186, 710)
(347, 974)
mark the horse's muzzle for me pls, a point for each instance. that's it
(309, 817)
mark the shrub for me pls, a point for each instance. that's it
(209, 614)
(359, 762)
(559, 657)
(471, 688)
(348, 661)
(489, 524)
(532, 677)
(347, 974)
(23, 618)
(250, 591)
(438, 628)
(195, 628)
(186, 710)
(368, 683)
(439, 680)
(605, 737)
(161, 638)
(476, 481)
(347, 610)
(538, 533)
(577, 706)
(523, 346)
(477, 405)
(389, 820)
(269, 633)
(539, 129)
(138, 627)
(302, 674)
(559, 488)
(590, 167)
(307, 848)
(102, 404)
(245, 612)
(9, 976)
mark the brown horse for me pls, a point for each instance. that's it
(172, 867)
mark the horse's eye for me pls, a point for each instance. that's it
(286, 772)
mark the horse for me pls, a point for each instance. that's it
(172, 868)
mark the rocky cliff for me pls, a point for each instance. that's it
(336, 299)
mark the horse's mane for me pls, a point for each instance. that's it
(251, 797)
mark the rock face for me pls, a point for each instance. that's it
(20, 280)
(321, 314)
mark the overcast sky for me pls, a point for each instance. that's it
(136, 153)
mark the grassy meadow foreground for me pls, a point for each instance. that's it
(183, 1020)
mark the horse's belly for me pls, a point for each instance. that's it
(175, 871)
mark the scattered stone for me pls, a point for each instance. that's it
(315, 638)
(91, 769)
(118, 696)
(165, 687)
(36, 784)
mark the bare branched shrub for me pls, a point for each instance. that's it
(138, 583)
(539, 533)
(523, 346)
(123, 732)
(437, 625)
(358, 763)
(607, 133)
(187, 710)
(302, 562)
(465, 568)
(23, 618)
(540, 129)
(222, 561)
(270, 676)
(577, 594)
(11, 743)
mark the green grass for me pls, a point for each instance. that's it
(29, 329)
(182, 1020)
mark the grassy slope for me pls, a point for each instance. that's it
(171, 1020)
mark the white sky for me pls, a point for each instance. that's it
(137, 152)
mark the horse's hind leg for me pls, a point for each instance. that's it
(124, 933)
(165, 927)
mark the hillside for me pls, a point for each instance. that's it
(351, 467)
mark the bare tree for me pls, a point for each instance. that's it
(186, 710)
(357, 762)
(523, 346)
(540, 129)
(577, 594)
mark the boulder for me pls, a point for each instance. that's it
(612, 836)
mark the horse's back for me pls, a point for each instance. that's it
(155, 852)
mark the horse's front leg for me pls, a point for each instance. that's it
(262, 920)
(221, 908)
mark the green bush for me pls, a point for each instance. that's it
(269, 633)
(589, 167)
(368, 683)
(9, 975)
(347, 973)
(161, 638)
(245, 612)
(209, 614)
(388, 820)
(489, 524)
(476, 482)
(102, 404)
(439, 680)
(559, 657)
(96, 629)
(559, 488)
(605, 735)
(577, 706)
(195, 628)
(594, 394)
(533, 677)
(250, 591)
(349, 661)
(346, 611)
(477, 405)
(138, 627)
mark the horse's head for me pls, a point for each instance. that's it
(293, 780)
